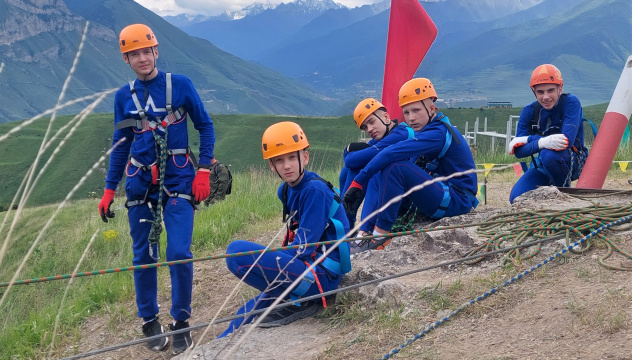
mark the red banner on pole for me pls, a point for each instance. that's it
(410, 34)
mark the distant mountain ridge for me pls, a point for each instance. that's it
(485, 49)
(39, 40)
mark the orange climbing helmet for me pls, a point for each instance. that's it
(365, 108)
(546, 74)
(416, 90)
(136, 36)
(283, 138)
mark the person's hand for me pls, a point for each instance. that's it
(518, 141)
(353, 198)
(555, 142)
(355, 146)
(201, 187)
(104, 205)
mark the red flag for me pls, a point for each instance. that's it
(410, 34)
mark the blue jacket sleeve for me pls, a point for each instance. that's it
(359, 159)
(522, 129)
(427, 142)
(201, 122)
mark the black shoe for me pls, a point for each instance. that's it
(291, 313)
(181, 341)
(369, 244)
(154, 328)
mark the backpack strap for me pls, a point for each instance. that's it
(343, 249)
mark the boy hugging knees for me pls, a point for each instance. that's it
(435, 149)
(312, 211)
(372, 118)
(550, 131)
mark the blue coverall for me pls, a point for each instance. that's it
(550, 167)
(179, 175)
(397, 174)
(275, 271)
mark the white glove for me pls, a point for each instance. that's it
(518, 141)
(555, 142)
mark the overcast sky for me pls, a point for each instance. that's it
(215, 7)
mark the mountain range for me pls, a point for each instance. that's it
(39, 40)
(485, 50)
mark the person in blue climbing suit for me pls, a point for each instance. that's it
(438, 149)
(372, 118)
(162, 183)
(312, 212)
(550, 131)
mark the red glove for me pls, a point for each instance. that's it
(201, 187)
(104, 205)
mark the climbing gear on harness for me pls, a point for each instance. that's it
(365, 108)
(353, 198)
(172, 117)
(289, 314)
(416, 90)
(136, 36)
(546, 74)
(105, 203)
(221, 181)
(158, 167)
(201, 187)
(283, 138)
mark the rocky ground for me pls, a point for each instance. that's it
(572, 308)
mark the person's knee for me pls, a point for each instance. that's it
(551, 160)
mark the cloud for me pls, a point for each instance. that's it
(216, 7)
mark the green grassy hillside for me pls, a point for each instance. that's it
(238, 144)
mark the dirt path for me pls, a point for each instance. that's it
(565, 310)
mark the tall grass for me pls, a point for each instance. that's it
(29, 313)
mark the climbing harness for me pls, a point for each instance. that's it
(158, 167)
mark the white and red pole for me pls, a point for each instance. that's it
(610, 132)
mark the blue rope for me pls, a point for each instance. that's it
(508, 282)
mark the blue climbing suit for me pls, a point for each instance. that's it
(440, 150)
(550, 166)
(318, 215)
(356, 160)
(136, 127)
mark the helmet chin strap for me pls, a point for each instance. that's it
(388, 127)
(427, 111)
(301, 169)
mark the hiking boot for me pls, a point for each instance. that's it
(181, 341)
(369, 244)
(288, 314)
(153, 328)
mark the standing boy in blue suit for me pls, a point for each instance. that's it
(162, 182)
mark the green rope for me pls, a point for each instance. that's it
(156, 223)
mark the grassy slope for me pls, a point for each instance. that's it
(238, 144)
